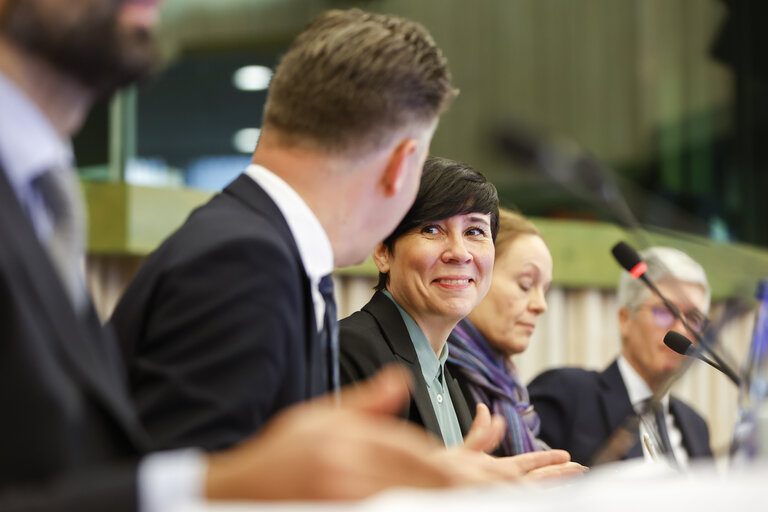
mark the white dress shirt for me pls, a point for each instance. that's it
(314, 247)
(639, 393)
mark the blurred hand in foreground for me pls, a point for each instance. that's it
(320, 451)
(484, 436)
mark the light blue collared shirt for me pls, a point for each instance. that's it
(433, 372)
(30, 146)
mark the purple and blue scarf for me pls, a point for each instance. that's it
(496, 384)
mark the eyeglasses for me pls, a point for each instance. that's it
(664, 318)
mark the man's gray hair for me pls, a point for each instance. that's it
(663, 263)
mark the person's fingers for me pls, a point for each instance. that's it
(466, 466)
(498, 430)
(565, 470)
(475, 467)
(369, 453)
(312, 452)
(533, 460)
(366, 466)
(486, 431)
(384, 393)
(517, 466)
(477, 432)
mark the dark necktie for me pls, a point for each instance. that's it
(330, 333)
(636, 449)
(60, 194)
(661, 425)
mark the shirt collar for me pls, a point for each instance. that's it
(637, 388)
(29, 144)
(431, 365)
(314, 247)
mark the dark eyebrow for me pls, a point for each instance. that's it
(480, 219)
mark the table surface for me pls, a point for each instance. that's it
(626, 486)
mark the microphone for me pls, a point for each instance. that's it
(631, 261)
(683, 346)
(567, 164)
(583, 175)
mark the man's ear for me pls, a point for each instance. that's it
(624, 317)
(398, 166)
(381, 258)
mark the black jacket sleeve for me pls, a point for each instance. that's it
(110, 487)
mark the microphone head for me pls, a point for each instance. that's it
(677, 342)
(520, 145)
(629, 259)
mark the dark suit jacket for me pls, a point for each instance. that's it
(69, 439)
(580, 409)
(376, 336)
(218, 328)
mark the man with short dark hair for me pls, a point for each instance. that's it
(223, 325)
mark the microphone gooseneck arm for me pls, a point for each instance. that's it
(683, 346)
(630, 260)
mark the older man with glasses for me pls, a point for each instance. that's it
(580, 409)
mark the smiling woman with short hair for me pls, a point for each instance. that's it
(433, 270)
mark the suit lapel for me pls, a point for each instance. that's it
(463, 412)
(75, 341)
(617, 409)
(396, 335)
(614, 398)
(691, 440)
(248, 192)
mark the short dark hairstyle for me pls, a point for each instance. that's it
(352, 78)
(447, 188)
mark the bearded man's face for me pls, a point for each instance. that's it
(104, 44)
